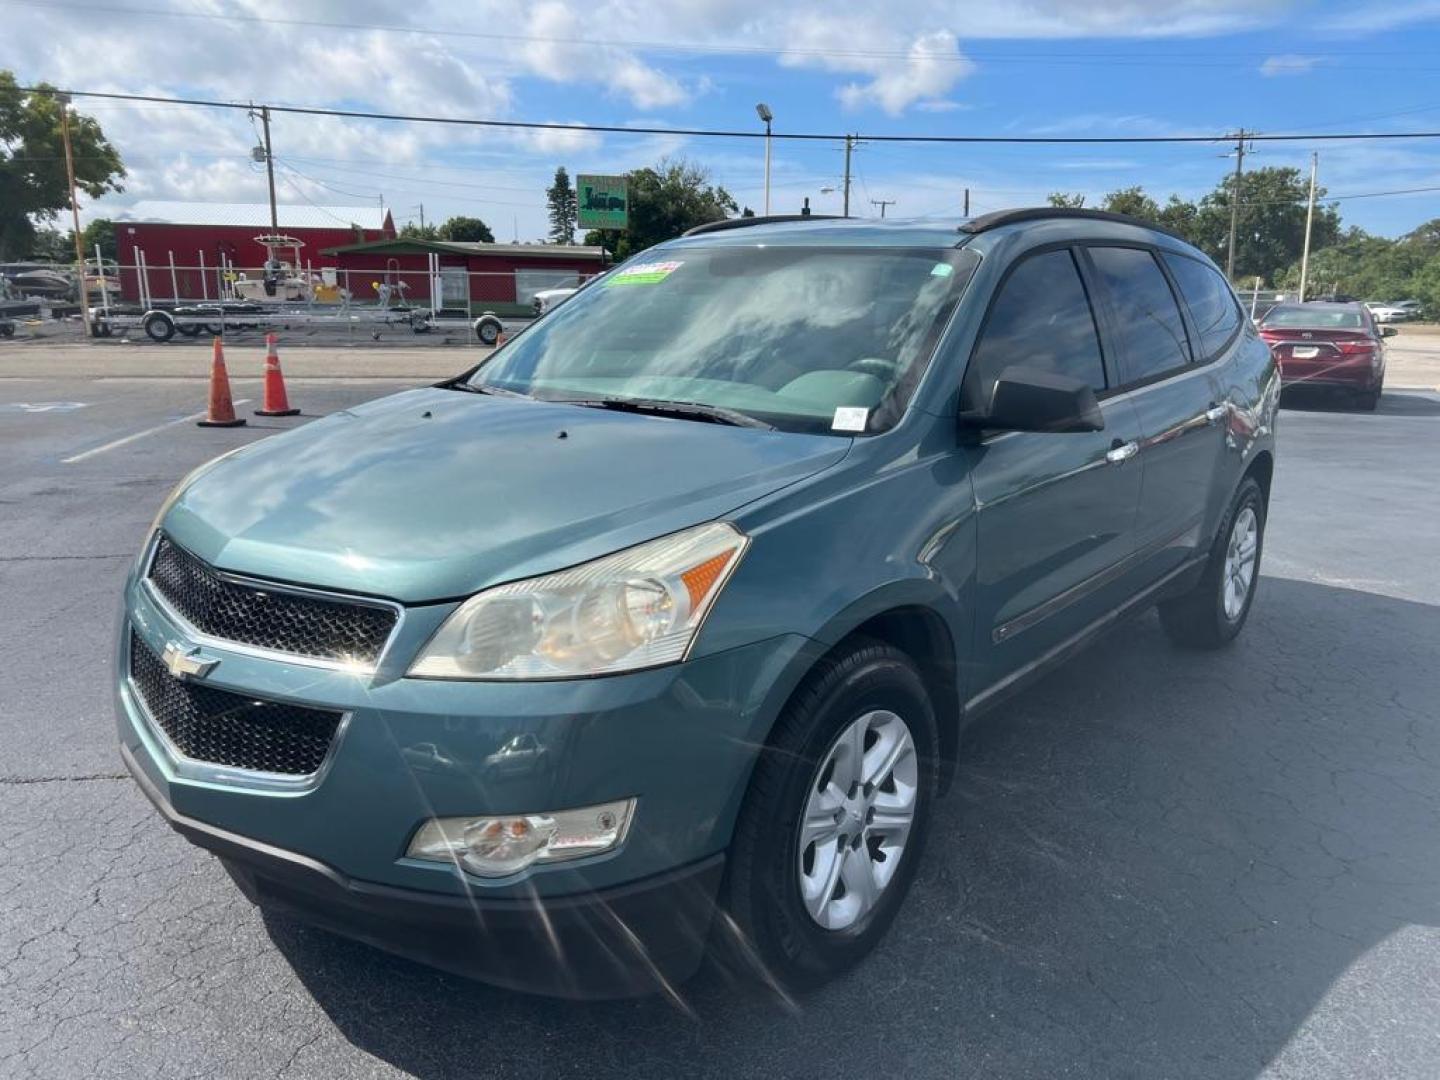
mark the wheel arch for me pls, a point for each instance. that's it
(1262, 468)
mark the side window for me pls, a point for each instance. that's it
(1212, 305)
(1040, 318)
(1152, 333)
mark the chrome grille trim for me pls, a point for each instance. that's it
(200, 636)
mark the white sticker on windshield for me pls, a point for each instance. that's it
(850, 418)
(941, 270)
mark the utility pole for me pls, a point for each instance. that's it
(967, 202)
(422, 218)
(269, 168)
(1309, 219)
(1235, 204)
(849, 146)
(882, 203)
(64, 100)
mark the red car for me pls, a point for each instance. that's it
(1332, 346)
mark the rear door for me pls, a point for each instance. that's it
(1176, 402)
(1055, 511)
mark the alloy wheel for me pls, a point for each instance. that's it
(857, 819)
(1240, 556)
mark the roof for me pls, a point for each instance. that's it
(822, 231)
(254, 215)
(899, 232)
(411, 245)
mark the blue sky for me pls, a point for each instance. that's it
(1039, 67)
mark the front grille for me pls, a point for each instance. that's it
(216, 726)
(249, 614)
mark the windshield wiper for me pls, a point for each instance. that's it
(477, 388)
(687, 410)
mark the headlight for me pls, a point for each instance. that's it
(637, 608)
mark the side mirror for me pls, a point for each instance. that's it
(1027, 399)
(1388, 331)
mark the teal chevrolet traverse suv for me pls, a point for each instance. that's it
(658, 631)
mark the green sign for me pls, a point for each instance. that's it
(604, 202)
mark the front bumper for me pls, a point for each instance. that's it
(680, 740)
(641, 938)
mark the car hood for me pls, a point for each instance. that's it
(434, 494)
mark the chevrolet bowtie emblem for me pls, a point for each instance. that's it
(186, 663)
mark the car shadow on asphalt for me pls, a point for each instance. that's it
(1392, 402)
(1154, 863)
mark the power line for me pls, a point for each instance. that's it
(621, 129)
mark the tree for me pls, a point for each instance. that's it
(411, 231)
(33, 185)
(469, 230)
(664, 202)
(1178, 215)
(1066, 200)
(1133, 202)
(100, 231)
(564, 207)
(1271, 229)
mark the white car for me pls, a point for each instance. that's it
(1388, 313)
(546, 299)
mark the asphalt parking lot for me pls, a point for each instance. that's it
(1156, 864)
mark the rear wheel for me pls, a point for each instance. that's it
(1211, 614)
(833, 824)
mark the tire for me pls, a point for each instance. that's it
(159, 327)
(1202, 618)
(188, 331)
(488, 331)
(767, 929)
(7, 329)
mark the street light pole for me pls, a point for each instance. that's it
(1309, 219)
(763, 111)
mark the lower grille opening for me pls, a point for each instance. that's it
(224, 728)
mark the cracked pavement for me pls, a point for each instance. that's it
(1156, 864)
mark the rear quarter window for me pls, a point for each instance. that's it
(1212, 304)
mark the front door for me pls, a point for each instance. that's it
(1055, 512)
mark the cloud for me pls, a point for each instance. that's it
(941, 105)
(1375, 17)
(1288, 64)
(899, 72)
(552, 52)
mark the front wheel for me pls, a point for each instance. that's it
(833, 824)
(1212, 613)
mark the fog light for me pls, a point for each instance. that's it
(496, 845)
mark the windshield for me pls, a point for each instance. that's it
(786, 335)
(1316, 318)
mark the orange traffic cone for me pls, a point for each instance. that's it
(275, 403)
(222, 409)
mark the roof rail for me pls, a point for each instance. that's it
(986, 222)
(745, 222)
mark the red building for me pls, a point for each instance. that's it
(502, 278)
(196, 238)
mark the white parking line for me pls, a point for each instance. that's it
(138, 435)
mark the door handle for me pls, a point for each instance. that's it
(1119, 452)
(1215, 414)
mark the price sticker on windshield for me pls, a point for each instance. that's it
(850, 418)
(643, 273)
